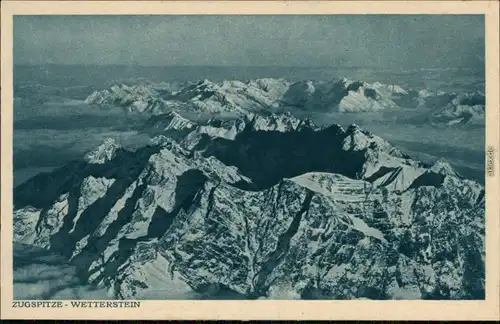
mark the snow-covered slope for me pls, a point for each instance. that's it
(260, 207)
(139, 98)
(190, 132)
(204, 96)
(463, 108)
(238, 98)
(342, 95)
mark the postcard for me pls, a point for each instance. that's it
(250, 160)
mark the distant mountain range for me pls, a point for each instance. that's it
(263, 205)
(344, 95)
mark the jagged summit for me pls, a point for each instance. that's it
(392, 88)
(169, 121)
(443, 167)
(358, 139)
(231, 216)
(273, 140)
(353, 128)
(103, 153)
(279, 145)
(176, 125)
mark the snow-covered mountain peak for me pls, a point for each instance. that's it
(103, 153)
(168, 143)
(461, 109)
(281, 122)
(160, 140)
(353, 128)
(205, 84)
(346, 82)
(358, 139)
(275, 122)
(392, 88)
(174, 121)
(443, 167)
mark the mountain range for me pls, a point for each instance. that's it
(261, 206)
(261, 95)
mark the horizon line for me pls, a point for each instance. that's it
(245, 66)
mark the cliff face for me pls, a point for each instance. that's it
(279, 208)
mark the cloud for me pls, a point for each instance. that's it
(38, 274)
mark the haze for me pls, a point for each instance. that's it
(382, 41)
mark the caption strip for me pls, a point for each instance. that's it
(490, 161)
(76, 304)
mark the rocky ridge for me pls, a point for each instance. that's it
(264, 206)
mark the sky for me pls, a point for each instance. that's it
(383, 41)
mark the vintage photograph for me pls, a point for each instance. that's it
(249, 157)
